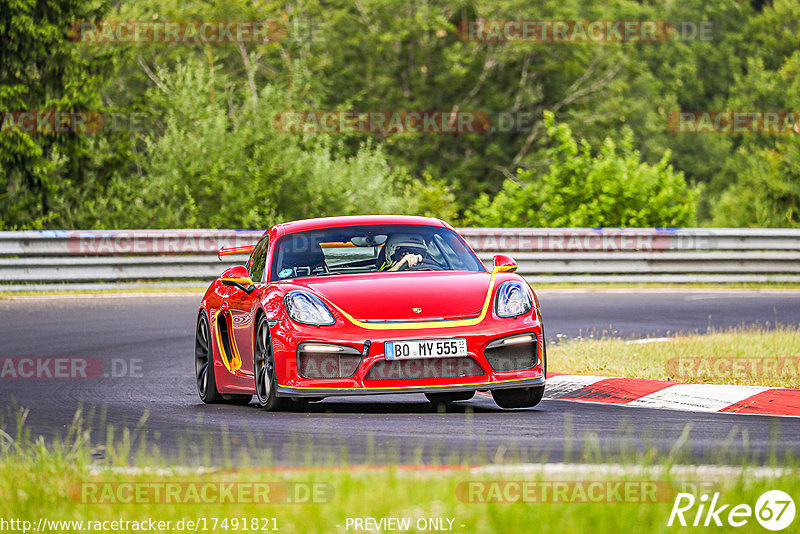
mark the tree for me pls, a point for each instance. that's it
(45, 174)
(220, 163)
(767, 191)
(381, 55)
(610, 188)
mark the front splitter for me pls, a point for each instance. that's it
(290, 391)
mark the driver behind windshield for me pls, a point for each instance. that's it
(403, 250)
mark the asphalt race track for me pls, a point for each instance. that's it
(145, 345)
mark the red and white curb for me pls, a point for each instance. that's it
(641, 393)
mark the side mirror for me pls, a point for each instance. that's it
(238, 277)
(503, 264)
(245, 284)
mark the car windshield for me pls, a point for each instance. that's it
(368, 249)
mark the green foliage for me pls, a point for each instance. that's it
(222, 164)
(430, 197)
(396, 54)
(767, 191)
(40, 69)
(610, 188)
(760, 182)
(208, 155)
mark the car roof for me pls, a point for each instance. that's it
(353, 220)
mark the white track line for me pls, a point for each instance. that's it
(563, 384)
(697, 397)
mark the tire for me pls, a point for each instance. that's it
(447, 398)
(518, 397)
(204, 362)
(264, 370)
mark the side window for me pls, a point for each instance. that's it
(257, 261)
(451, 250)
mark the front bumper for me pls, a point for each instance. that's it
(287, 336)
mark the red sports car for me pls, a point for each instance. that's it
(368, 305)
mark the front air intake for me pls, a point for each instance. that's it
(512, 353)
(322, 360)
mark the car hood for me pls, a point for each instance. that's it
(405, 296)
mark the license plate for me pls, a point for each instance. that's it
(426, 348)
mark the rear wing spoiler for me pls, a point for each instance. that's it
(230, 251)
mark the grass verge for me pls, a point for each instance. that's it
(750, 356)
(711, 286)
(59, 487)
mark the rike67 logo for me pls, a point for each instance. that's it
(774, 510)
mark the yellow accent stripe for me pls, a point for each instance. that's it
(236, 360)
(417, 325)
(415, 387)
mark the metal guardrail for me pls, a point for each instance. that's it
(544, 254)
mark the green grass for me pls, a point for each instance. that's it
(354, 494)
(757, 357)
(666, 285)
(64, 480)
(60, 482)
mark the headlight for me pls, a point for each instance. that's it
(306, 308)
(513, 300)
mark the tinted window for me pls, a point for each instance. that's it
(257, 261)
(366, 249)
